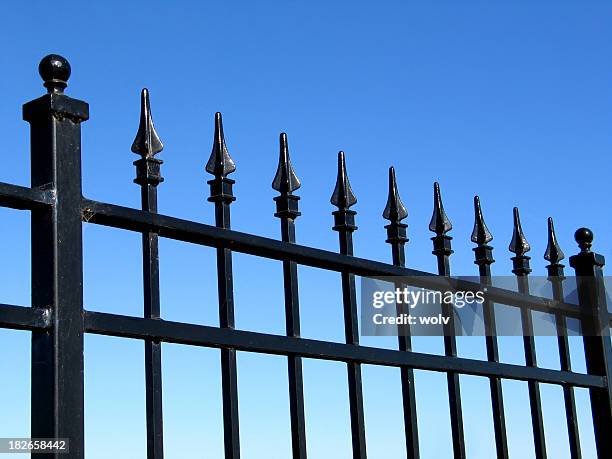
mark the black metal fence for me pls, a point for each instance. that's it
(58, 321)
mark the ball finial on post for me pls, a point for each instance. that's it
(55, 71)
(584, 238)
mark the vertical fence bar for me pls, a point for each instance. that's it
(344, 222)
(484, 258)
(57, 263)
(440, 225)
(554, 255)
(286, 182)
(395, 212)
(220, 164)
(147, 144)
(596, 331)
(520, 267)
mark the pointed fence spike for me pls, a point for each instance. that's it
(147, 142)
(480, 234)
(285, 180)
(395, 211)
(439, 224)
(553, 253)
(518, 244)
(220, 164)
(343, 196)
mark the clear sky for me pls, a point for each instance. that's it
(509, 101)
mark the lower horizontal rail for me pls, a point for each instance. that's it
(201, 335)
(23, 318)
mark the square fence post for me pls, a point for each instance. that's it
(57, 264)
(596, 331)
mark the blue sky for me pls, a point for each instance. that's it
(509, 101)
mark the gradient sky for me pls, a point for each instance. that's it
(509, 101)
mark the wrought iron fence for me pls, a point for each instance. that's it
(58, 321)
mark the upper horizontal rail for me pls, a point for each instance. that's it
(202, 335)
(202, 234)
(23, 318)
(23, 198)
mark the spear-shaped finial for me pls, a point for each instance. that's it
(395, 211)
(220, 164)
(518, 245)
(480, 234)
(147, 143)
(553, 253)
(439, 224)
(285, 180)
(343, 196)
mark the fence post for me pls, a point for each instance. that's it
(148, 175)
(483, 254)
(554, 255)
(596, 331)
(395, 212)
(57, 265)
(344, 223)
(220, 164)
(287, 210)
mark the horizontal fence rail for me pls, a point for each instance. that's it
(201, 335)
(58, 320)
(22, 318)
(202, 234)
(18, 197)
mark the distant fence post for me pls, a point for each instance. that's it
(57, 265)
(596, 331)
